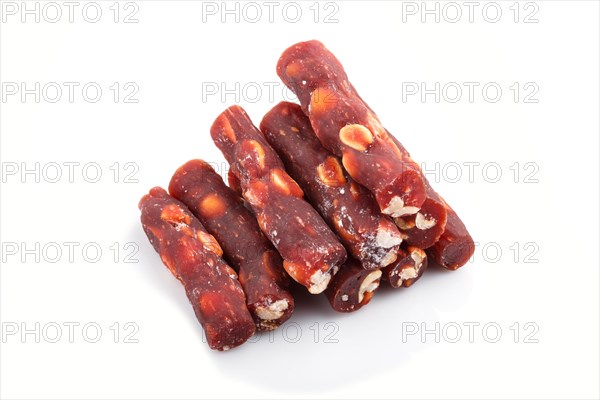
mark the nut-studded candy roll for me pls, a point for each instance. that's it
(311, 252)
(456, 246)
(347, 127)
(245, 248)
(408, 267)
(352, 287)
(452, 244)
(194, 257)
(424, 228)
(350, 209)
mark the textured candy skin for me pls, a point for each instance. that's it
(234, 182)
(194, 257)
(456, 246)
(347, 127)
(408, 267)
(245, 248)
(311, 252)
(348, 208)
(424, 228)
(352, 287)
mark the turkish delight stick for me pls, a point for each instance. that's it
(311, 252)
(456, 246)
(246, 249)
(408, 267)
(424, 228)
(352, 287)
(194, 257)
(348, 208)
(347, 127)
(453, 245)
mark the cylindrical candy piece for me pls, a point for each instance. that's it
(440, 231)
(456, 246)
(348, 208)
(408, 267)
(194, 257)
(347, 127)
(424, 228)
(352, 287)
(311, 252)
(245, 248)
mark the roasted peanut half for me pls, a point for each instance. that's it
(256, 193)
(350, 164)
(356, 136)
(209, 242)
(179, 219)
(228, 130)
(321, 100)
(330, 172)
(252, 153)
(405, 223)
(282, 181)
(213, 205)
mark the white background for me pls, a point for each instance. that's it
(174, 54)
